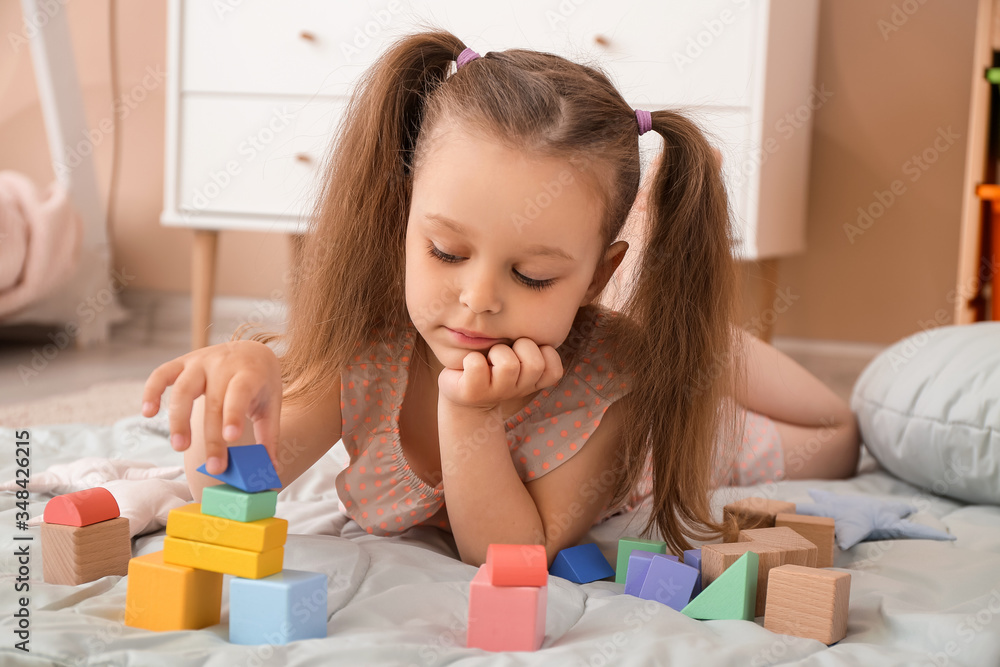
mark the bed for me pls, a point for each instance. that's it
(403, 600)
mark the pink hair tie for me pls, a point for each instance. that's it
(645, 120)
(466, 56)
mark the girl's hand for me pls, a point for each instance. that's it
(509, 374)
(239, 379)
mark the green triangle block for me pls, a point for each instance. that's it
(733, 596)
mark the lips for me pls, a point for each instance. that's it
(469, 341)
(472, 334)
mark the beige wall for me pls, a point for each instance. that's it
(892, 94)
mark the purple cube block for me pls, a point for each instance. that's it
(669, 582)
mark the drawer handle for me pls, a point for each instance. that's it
(602, 40)
(303, 157)
(308, 36)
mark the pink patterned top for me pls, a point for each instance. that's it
(380, 491)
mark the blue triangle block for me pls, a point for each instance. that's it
(581, 564)
(248, 468)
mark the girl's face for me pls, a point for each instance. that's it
(500, 243)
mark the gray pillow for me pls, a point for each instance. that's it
(929, 410)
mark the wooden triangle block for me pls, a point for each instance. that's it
(732, 596)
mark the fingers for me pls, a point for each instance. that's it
(553, 366)
(162, 377)
(532, 365)
(187, 387)
(216, 456)
(506, 370)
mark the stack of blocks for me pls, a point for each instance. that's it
(232, 531)
(507, 599)
(772, 570)
(84, 538)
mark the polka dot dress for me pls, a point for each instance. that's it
(381, 492)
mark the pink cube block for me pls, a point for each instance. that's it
(505, 618)
(517, 564)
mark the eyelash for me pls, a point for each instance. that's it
(527, 282)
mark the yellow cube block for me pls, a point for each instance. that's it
(189, 523)
(162, 596)
(227, 560)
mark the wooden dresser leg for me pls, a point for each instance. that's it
(768, 295)
(202, 285)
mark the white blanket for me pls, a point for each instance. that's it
(403, 600)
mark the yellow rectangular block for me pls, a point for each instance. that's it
(227, 560)
(189, 523)
(163, 597)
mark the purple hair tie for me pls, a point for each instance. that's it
(645, 120)
(466, 56)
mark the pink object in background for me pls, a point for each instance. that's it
(40, 240)
(505, 618)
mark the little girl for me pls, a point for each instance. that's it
(446, 323)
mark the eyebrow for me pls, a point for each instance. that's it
(437, 220)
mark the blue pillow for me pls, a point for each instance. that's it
(929, 410)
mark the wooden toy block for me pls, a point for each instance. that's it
(505, 618)
(638, 566)
(816, 529)
(187, 522)
(248, 468)
(808, 602)
(669, 582)
(228, 502)
(277, 609)
(626, 546)
(162, 597)
(692, 557)
(754, 512)
(732, 596)
(517, 564)
(716, 558)
(81, 508)
(581, 564)
(799, 550)
(74, 555)
(227, 560)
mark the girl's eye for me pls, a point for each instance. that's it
(528, 282)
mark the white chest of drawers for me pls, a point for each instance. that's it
(256, 88)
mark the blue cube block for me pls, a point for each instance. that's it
(248, 468)
(692, 557)
(581, 564)
(638, 565)
(278, 609)
(669, 582)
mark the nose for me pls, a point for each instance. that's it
(479, 291)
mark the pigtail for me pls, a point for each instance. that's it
(681, 344)
(349, 284)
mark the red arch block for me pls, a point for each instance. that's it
(81, 508)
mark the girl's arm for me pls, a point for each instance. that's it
(819, 432)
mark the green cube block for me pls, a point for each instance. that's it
(627, 545)
(229, 502)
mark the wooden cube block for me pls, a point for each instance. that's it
(228, 502)
(505, 618)
(717, 558)
(277, 609)
(799, 550)
(817, 529)
(731, 596)
(626, 546)
(166, 597)
(517, 564)
(248, 468)
(808, 602)
(227, 560)
(74, 555)
(581, 564)
(81, 508)
(754, 512)
(669, 582)
(187, 522)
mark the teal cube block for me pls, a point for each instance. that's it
(278, 609)
(626, 546)
(231, 503)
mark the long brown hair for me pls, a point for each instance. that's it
(675, 333)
